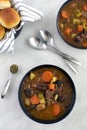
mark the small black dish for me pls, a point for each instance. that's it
(73, 24)
(21, 95)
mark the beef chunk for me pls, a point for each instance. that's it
(49, 94)
(31, 107)
(59, 83)
(29, 92)
(41, 85)
(40, 107)
(63, 98)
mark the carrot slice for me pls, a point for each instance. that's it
(34, 99)
(80, 28)
(47, 76)
(84, 44)
(85, 7)
(52, 86)
(65, 14)
(55, 109)
(67, 31)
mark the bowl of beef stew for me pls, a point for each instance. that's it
(46, 94)
(72, 23)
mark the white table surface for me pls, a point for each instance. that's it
(11, 115)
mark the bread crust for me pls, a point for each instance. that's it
(5, 4)
(9, 18)
(2, 32)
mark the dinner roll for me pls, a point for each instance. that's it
(2, 32)
(9, 18)
(5, 4)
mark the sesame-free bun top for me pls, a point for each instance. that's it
(5, 4)
(2, 32)
(9, 18)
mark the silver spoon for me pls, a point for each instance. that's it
(13, 70)
(48, 39)
(37, 44)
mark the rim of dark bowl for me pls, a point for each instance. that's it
(18, 32)
(47, 121)
(58, 29)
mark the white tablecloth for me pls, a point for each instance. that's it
(11, 115)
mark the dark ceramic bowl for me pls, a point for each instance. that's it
(57, 119)
(76, 39)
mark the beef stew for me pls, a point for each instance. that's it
(47, 94)
(72, 23)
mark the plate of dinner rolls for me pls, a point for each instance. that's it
(9, 17)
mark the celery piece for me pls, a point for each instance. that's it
(73, 35)
(85, 26)
(76, 21)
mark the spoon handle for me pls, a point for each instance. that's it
(64, 56)
(68, 58)
(6, 87)
(71, 67)
(65, 60)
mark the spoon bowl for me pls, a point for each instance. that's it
(36, 43)
(46, 37)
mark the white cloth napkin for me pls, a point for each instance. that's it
(7, 44)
